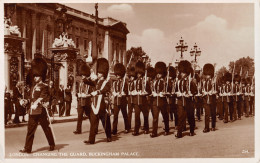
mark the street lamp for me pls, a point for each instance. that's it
(63, 20)
(195, 52)
(181, 47)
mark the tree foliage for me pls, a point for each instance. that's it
(138, 54)
(247, 65)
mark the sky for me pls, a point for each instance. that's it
(224, 32)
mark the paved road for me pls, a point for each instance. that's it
(231, 140)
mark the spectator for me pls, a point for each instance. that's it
(8, 103)
(16, 96)
(60, 98)
(52, 106)
(68, 100)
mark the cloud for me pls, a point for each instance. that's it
(154, 43)
(220, 44)
(120, 11)
(120, 8)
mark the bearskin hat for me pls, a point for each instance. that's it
(131, 72)
(151, 72)
(208, 69)
(102, 66)
(172, 72)
(228, 77)
(248, 80)
(84, 70)
(29, 78)
(39, 67)
(237, 78)
(160, 68)
(119, 69)
(184, 67)
(140, 68)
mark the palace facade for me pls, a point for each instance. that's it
(40, 23)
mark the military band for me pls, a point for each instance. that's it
(142, 89)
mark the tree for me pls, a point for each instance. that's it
(138, 55)
(221, 72)
(247, 65)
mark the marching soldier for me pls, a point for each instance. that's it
(83, 97)
(182, 92)
(38, 110)
(248, 93)
(252, 99)
(207, 92)
(150, 78)
(190, 107)
(159, 99)
(131, 96)
(172, 96)
(243, 91)
(100, 103)
(198, 97)
(220, 98)
(226, 97)
(140, 102)
(120, 90)
(236, 98)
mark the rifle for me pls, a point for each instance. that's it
(167, 77)
(123, 86)
(233, 74)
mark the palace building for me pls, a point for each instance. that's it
(41, 23)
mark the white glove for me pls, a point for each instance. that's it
(94, 93)
(34, 106)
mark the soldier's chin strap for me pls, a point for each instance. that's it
(96, 109)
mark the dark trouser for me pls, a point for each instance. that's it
(190, 115)
(226, 107)
(61, 109)
(165, 115)
(81, 110)
(220, 108)
(68, 108)
(129, 115)
(173, 110)
(247, 102)
(181, 116)
(138, 110)
(32, 126)
(199, 107)
(17, 110)
(105, 119)
(236, 109)
(231, 110)
(210, 111)
(252, 106)
(123, 109)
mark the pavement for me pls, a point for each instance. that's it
(55, 119)
(230, 140)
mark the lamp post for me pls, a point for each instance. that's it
(195, 52)
(181, 47)
(63, 20)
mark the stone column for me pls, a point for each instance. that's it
(24, 31)
(105, 52)
(64, 74)
(34, 44)
(7, 72)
